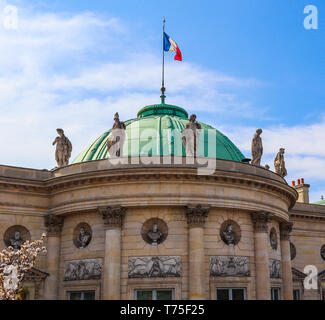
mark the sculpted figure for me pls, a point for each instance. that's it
(257, 148)
(273, 240)
(279, 164)
(155, 234)
(116, 138)
(63, 149)
(229, 235)
(84, 238)
(190, 136)
(16, 241)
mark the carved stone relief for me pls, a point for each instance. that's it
(154, 231)
(82, 235)
(322, 252)
(293, 251)
(273, 239)
(230, 232)
(154, 267)
(225, 266)
(89, 269)
(15, 236)
(274, 266)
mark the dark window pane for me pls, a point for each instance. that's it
(75, 296)
(89, 295)
(144, 295)
(238, 294)
(164, 295)
(296, 295)
(222, 294)
(275, 293)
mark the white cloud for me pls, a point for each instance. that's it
(75, 72)
(305, 152)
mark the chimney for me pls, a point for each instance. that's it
(303, 191)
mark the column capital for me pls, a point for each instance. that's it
(261, 220)
(113, 216)
(53, 224)
(285, 230)
(196, 215)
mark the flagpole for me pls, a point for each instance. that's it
(163, 89)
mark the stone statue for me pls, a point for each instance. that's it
(190, 136)
(257, 148)
(155, 234)
(117, 136)
(229, 235)
(16, 241)
(279, 164)
(273, 240)
(63, 149)
(84, 238)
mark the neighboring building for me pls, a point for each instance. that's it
(160, 230)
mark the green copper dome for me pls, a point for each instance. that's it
(151, 134)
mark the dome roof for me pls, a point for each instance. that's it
(164, 119)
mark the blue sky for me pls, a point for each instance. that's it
(247, 64)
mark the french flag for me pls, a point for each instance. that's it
(171, 45)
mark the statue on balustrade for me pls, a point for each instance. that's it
(257, 148)
(279, 164)
(190, 136)
(63, 149)
(116, 138)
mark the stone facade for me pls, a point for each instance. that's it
(115, 201)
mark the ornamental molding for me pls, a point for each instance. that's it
(275, 269)
(112, 216)
(261, 221)
(154, 267)
(88, 269)
(285, 230)
(196, 215)
(227, 266)
(59, 184)
(53, 224)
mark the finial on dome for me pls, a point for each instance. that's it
(163, 97)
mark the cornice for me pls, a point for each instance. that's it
(105, 177)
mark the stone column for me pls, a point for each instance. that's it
(261, 239)
(286, 272)
(113, 218)
(196, 217)
(54, 226)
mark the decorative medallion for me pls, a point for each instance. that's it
(15, 236)
(273, 239)
(293, 251)
(82, 235)
(225, 266)
(154, 267)
(88, 269)
(322, 252)
(274, 267)
(230, 232)
(154, 231)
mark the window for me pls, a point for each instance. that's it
(231, 294)
(154, 294)
(81, 295)
(275, 294)
(323, 293)
(296, 294)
